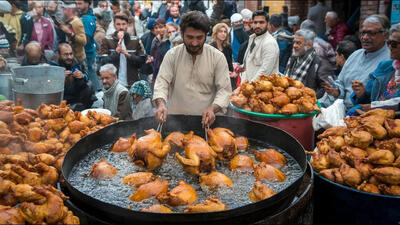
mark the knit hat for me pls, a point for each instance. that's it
(141, 88)
(246, 14)
(4, 44)
(5, 6)
(151, 23)
(236, 17)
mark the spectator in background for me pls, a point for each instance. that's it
(124, 51)
(338, 29)
(237, 34)
(220, 41)
(246, 14)
(141, 94)
(362, 62)
(174, 34)
(43, 29)
(284, 39)
(317, 15)
(160, 45)
(89, 24)
(116, 97)
(147, 11)
(77, 92)
(131, 23)
(262, 54)
(103, 5)
(148, 37)
(293, 22)
(55, 16)
(100, 32)
(343, 50)
(7, 33)
(229, 8)
(116, 8)
(194, 5)
(174, 15)
(304, 65)
(74, 31)
(33, 55)
(162, 10)
(285, 16)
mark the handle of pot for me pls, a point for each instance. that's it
(20, 81)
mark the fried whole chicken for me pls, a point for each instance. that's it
(149, 151)
(393, 127)
(271, 157)
(138, 178)
(210, 205)
(381, 157)
(103, 170)
(157, 209)
(175, 139)
(215, 180)
(260, 192)
(242, 143)
(181, 195)
(151, 189)
(199, 156)
(123, 144)
(333, 131)
(222, 141)
(9, 215)
(241, 163)
(268, 173)
(389, 175)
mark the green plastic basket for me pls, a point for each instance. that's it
(275, 116)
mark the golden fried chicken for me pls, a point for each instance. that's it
(265, 96)
(149, 151)
(351, 176)
(181, 195)
(260, 192)
(267, 172)
(380, 112)
(31, 178)
(70, 218)
(25, 193)
(222, 141)
(367, 187)
(358, 138)
(175, 139)
(334, 159)
(199, 156)
(323, 146)
(375, 129)
(255, 103)
(332, 175)
(6, 138)
(319, 161)
(247, 89)
(271, 157)
(336, 142)
(241, 163)
(295, 83)
(123, 144)
(43, 157)
(157, 209)
(48, 174)
(215, 180)
(289, 109)
(293, 93)
(103, 170)
(352, 122)
(263, 85)
(138, 178)
(280, 100)
(389, 175)
(381, 157)
(210, 205)
(23, 118)
(106, 119)
(390, 190)
(282, 82)
(152, 189)
(242, 143)
(76, 126)
(363, 168)
(305, 104)
(267, 108)
(9, 215)
(350, 154)
(393, 127)
(35, 134)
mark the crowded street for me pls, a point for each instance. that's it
(199, 112)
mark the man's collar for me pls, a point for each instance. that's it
(384, 48)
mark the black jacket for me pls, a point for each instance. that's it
(26, 27)
(242, 51)
(228, 55)
(240, 34)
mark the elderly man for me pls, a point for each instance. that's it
(238, 34)
(262, 54)
(33, 55)
(338, 29)
(116, 97)
(193, 77)
(77, 92)
(304, 65)
(124, 51)
(373, 35)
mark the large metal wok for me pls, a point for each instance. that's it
(241, 215)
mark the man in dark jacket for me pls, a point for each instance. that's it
(33, 55)
(89, 23)
(238, 35)
(124, 51)
(339, 29)
(77, 91)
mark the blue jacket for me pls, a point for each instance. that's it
(377, 83)
(89, 23)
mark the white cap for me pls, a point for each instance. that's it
(246, 13)
(5, 6)
(68, 5)
(236, 18)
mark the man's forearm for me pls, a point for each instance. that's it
(159, 102)
(216, 108)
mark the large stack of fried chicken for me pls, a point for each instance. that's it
(275, 95)
(364, 155)
(32, 146)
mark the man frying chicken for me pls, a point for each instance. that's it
(194, 76)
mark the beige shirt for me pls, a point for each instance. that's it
(263, 59)
(191, 87)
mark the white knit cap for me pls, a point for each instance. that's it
(5, 6)
(246, 13)
(236, 18)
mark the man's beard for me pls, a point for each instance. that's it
(301, 52)
(194, 51)
(67, 65)
(261, 32)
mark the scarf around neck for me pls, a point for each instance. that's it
(299, 71)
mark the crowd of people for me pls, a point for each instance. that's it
(137, 56)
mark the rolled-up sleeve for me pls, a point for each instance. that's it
(164, 78)
(222, 84)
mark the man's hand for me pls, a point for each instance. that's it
(77, 74)
(66, 29)
(161, 113)
(67, 73)
(333, 91)
(120, 36)
(118, 49)
(358, 88)
(149, 59)
(209, 115)
(125, 52)
(365, 107)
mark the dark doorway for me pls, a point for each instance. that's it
(348, 11)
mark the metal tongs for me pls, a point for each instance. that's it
(205, 132)
(160, 125)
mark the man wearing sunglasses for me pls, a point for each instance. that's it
(355, 73)
(383, 87)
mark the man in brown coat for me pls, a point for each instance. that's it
(124, 51)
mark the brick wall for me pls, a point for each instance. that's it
(369, 7)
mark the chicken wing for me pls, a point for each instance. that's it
(76, 126)
(157, 209)
(350, 154)
(336, 142)
(181, 195)
(271, 157)
(246, 88)
(390, 190)
(280, 100)
(103, 170)
(289, 109)
(268, 173)
(263, 85)
(209, 205)
(295, 83)
(323, 146)
(123, 144)
(241, 163)
(138, 178)
(260, 192)
(380, 112)
(367, 187)
(175, 139)
(152, 189)
(215, 180)
(222, 141)
(389, 175)
(333, 131)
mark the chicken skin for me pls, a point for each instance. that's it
(271, 157)
(9, 215)
(152, 189)
(242, 143)
(334, 159)
(350, 154)
(380, 112)
(239, 100)
(149, 151)
(123, 144)
(367, 187)
(222, 141)
(157, 209)
(336, 142)
(260, 192)
(241, 163)
(333, 131)
(289, 109)
(389, 175)
(293, 93)
(358, 138)
(280, 100)
(138, 178)
(175, 139)
(390, 190)
(332, 175)
(363, 168)
(323, 146)
(209, 205)
(381, 157)
(351, 176)
(319, 161)
(375, 129)
(393, 127)
(268, 173)
(181, 195)
(199, 156)
(103, 170)
(215, 180)
(48, 174)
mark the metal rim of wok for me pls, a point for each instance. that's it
(355, 190)
(185, 123)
